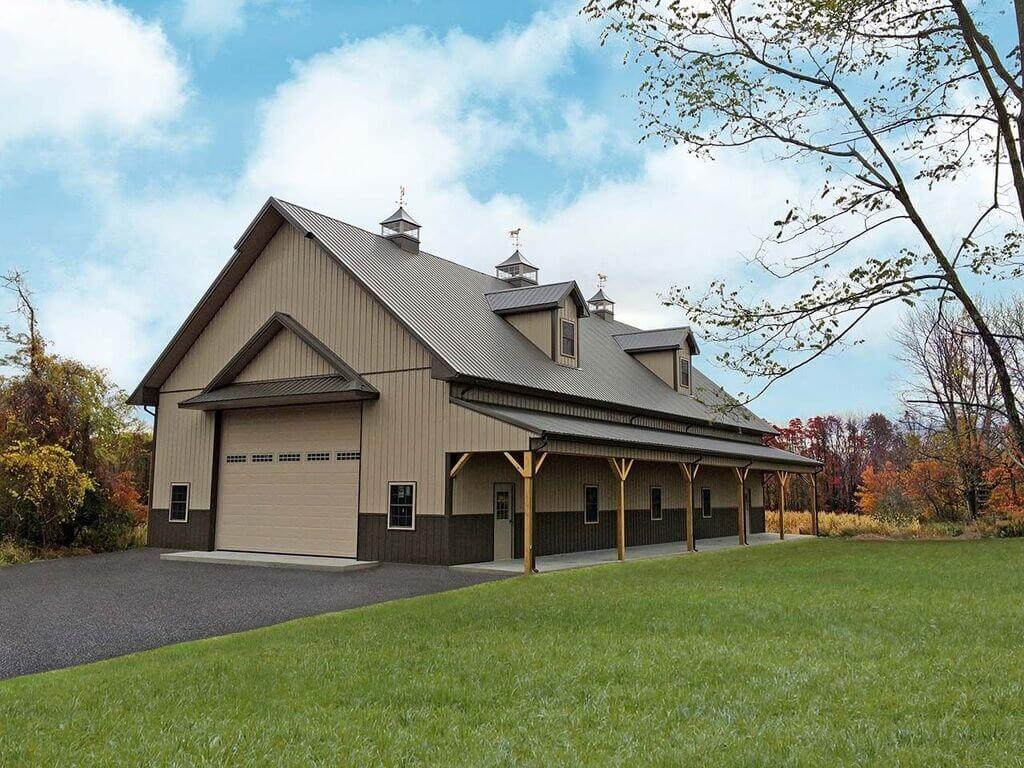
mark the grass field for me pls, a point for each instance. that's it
(812, 653)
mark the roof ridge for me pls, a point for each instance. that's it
(381, 237)
(529, 287)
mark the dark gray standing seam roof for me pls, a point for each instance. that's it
(558, 426)
(662, 338)
(531, 298)
(444, 305)
(309, 389)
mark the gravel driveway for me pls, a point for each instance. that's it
(59, 613)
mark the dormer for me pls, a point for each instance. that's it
(547, 315)
(666, 352)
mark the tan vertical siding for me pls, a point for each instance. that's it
(567, 312)
(535, 326)
(473, 487)
(407, 432)
(184, 453)
(660, 363)
(284, 357)
(559, 485)
(295, 275)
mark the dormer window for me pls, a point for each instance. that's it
(568, 338)
(684, 372)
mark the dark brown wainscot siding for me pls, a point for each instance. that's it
(757, 519)
(470, 539)
(196, 534)
(566, 532)
(427, 545)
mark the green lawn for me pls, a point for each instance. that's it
(814, 653)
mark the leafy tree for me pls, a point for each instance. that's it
(894, 103)
(42, 489)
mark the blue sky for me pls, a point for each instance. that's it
(149, 133)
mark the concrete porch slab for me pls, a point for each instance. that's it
(569, 560)
(259, 559)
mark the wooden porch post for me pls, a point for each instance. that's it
(783, 479)
(526, 471)
(814, 502)
(741, 475)
(689, 473)
(621, 468)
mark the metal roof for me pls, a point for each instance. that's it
(534, 297)
(515, 258)
(599, 296)
(443, 305)
(309, 389)
(400, 215)
(662, 338)
(552, 425)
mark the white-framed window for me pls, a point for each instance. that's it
(347, 456)
(236, 458)
(568, 336)
(656, 513)
(591, 508)
(705, 502)
(401, 506)
(318, 456)
(262, 458)
(177, 511)
(684, 372)
(289, 456)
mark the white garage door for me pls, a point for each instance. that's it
(289, 480)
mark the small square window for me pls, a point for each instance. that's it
(568, 338)
(402, 506)
(684, 373)
(591, 510)
(178, 511)
(656, 513)
(705, 502)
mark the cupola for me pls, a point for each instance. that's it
(516, 271)
(401, 228)
(601, 306)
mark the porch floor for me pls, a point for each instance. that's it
(568, 560)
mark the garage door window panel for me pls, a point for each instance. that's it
(401, 506)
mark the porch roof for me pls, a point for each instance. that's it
(554, 426)
(309, 389)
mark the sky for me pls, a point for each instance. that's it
(141, 138)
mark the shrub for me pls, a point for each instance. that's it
(104, 524)
(839, 524)
(41, 488)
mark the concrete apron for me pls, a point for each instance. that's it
(569, 560)
(262, 560)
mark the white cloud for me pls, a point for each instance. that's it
(217, 19)
(408, 108)
(71, 68)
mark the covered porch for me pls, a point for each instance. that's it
(568, 560)
(588, 491)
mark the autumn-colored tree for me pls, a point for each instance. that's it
(41, 488)
(883, 494)
(59, 417)
(933, 486)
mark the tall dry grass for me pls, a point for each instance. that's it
(837, 524)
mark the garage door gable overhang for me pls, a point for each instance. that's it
(224, 392)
